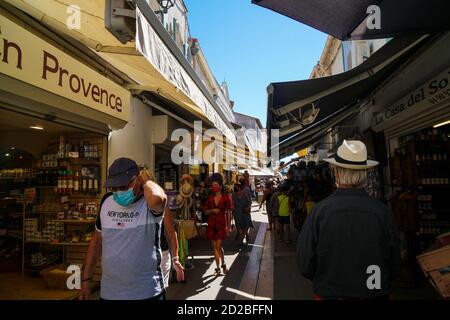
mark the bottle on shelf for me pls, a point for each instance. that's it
(64, 182)
(84, 186)
(95, 152)
(91, 148)
(86, 151)
(96, 186)
(81, 150)
(76, 183)
(59, 182)
(69, 179)
(90, 185)
(68, 150)
(62, 147)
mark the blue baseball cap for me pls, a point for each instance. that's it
(121, 172)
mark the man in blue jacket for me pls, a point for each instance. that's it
(349, 245)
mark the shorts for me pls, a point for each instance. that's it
(284, 220)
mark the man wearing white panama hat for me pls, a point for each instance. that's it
(349, 234)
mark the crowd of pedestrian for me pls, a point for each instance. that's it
(343, 230)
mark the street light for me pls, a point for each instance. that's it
(165, 5)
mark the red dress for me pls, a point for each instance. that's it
(217, 222)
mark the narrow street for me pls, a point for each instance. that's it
(261, 270)
(123, 123)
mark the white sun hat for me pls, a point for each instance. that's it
(352, 154)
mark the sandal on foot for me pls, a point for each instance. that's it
(224, 267)
(217, 272)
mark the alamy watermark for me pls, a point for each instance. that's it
(374, 280)
(74, 280)
(212, 147)
(374, 19)
(73, 21)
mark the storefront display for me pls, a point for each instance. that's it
(168, 176)
(49, 195)
(420, 178)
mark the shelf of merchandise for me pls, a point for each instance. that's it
(82, 244)
(72, 162)
(15, 235)
(60, 243)
(44, 212)
(71, 221)
(433, 186)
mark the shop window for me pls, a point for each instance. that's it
(52, 180)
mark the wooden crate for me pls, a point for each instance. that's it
(431, 263)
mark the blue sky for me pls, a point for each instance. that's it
(250, 47)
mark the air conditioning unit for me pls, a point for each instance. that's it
(120, 19)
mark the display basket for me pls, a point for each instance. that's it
(55, 277)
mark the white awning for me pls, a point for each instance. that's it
(257, 171)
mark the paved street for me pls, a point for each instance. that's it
(263, 269)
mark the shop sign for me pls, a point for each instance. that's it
(432, 93)
(28, 58)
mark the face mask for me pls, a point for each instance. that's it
(215, 189)
(124, 198)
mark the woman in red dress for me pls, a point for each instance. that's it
(217, 208)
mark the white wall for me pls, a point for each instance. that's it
(134, 140)
(178, 11)
(338, 63)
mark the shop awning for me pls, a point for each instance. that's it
(354, 19)
(257, 171)
(136, 64)
(305, 110)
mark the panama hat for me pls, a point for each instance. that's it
(352, 154)
(186, 190)
(187, 177)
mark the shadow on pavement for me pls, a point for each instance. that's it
(201, 282)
